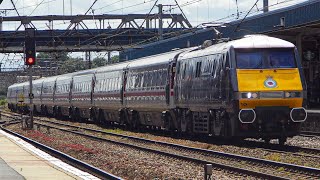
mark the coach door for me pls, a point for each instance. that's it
(123, 86)
(93, 83)
(170, 83)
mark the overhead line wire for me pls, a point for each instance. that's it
(109, 4)
(36, 7)
(134, 5)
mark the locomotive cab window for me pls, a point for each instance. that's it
(265, 58)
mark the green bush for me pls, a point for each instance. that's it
(3, 102)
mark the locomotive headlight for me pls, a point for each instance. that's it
(293, 94)
(287, 94)
(249, 95)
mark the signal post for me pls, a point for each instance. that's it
(30, 60)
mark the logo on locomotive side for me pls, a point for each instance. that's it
(270, 83)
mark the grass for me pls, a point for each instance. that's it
(117, 131)
(3, 102)
(274, 157)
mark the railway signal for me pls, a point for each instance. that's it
(30, 59)
(30, 47)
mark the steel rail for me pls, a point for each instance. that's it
(274, 147)
(217, 165)
(211, 152)
(309, 133)
(254, 144)
(215, 153)
(80, 164)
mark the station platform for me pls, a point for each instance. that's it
(21, 160)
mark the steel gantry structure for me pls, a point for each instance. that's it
(78, 37)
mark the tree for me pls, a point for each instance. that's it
(98, 62)
(114, 59)
(58, 56)
(72, 65)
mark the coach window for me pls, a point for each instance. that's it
(97, 86)
(105, 85)
(218, 64)
(206, 67)
(118, 83)
(115, 84)
(227, 64)
(152, 79)
(83, 89)
(100, 85)
(137, 81)
(214, 65)
(86, 85)
(109, 84)
(38, 90)
(164, 76)
(112, 84)
(198, 69)
(184, 70)
(80, 87)
(148, 82)
(156, 78)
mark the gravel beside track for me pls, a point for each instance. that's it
(120, 160)
(303, 141)
(259, 153)
(280, 170)
(299, 158)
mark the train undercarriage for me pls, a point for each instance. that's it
(270, 123)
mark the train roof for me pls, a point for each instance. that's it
(50, 79)
(260, 41)
(113, 67)
(38, 81)
(249, 41)
(66, 77)
(163, 58)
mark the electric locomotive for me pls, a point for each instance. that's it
(250, 87)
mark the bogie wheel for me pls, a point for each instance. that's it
(102, 120)
(267, 140)
(76, 115)
(282, 140)
(94, 117)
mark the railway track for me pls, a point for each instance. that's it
(60, 155)
(299, 151)
(241, 164)
(235, 163)
(310, 133)
(287, 149)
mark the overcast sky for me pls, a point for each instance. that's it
(197, 11)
